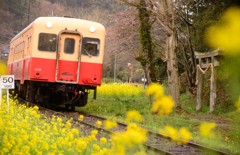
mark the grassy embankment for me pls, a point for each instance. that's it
(115, 100)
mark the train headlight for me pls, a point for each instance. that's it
(49, 24)
(92, 28)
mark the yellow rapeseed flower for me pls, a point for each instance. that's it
(155, 89)
(36, 108)
(120, 90)
(59, 120)
(184, 135)
(163, 106)
(96, 147)
(94, 132)
(3, 68)
(110, 124)
(225, 34)
(206, 129)
(134, 115)
(80, 118)
(133, 136)
(180, 136)
(25, 149)
(75, 131)
(169, 131)
(238, 104)
(103, 140)
(98, 123)
(167, 105)
(81, 145)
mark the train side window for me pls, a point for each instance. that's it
(47, 42)
(69, 45)
(90, 46)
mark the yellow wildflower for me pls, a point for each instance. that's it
(98, 123)
(110, 124)
(75, 131)
(163, 106)
(225, 34)
(103, 140)
(169, 131)
(134, 116)
(120, 90)
(3, 68)
(133, 138)
(36, 108)
(238, 104)
(206, 129)
(156, 90)
(94, 132)
(80, 118)
(184, 135)
(81, 145)
(180, 136)
(96, 147)
(59, 120)
(129, 138)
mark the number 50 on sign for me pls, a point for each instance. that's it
(7, 82)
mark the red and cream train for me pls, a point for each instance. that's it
(57, 60)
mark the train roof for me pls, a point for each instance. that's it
(66, 21)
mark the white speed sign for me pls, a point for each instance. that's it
(6, 81)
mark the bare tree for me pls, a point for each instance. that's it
(166, 19)
(163, 11)
(146, 55)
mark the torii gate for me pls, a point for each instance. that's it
(206, 61)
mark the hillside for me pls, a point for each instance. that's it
(118, 20)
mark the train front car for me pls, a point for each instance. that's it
(58, 60)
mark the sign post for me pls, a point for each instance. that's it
(6, 82)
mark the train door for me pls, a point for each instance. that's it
(68, 58)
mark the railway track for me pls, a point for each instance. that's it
(161, 144)
(157, 143)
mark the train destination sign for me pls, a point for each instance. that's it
(6, 81)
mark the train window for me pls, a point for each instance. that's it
(47, 42)
(90, 46)
(69, 44)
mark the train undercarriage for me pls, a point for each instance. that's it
(45, 94)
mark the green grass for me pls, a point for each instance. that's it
(115, 108)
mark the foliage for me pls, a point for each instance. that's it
(206, 13)
(196, 124)
(206, 129)
(181, 136)
(119, 91)
(110, 80)
(146, 54)
(3, 68)
(227, 32)
(162, 104)
(29, 132)
(130, 140)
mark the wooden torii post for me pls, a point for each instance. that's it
(206, 61)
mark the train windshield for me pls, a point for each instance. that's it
(47, 42)
(90, 46)
(69, 45)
